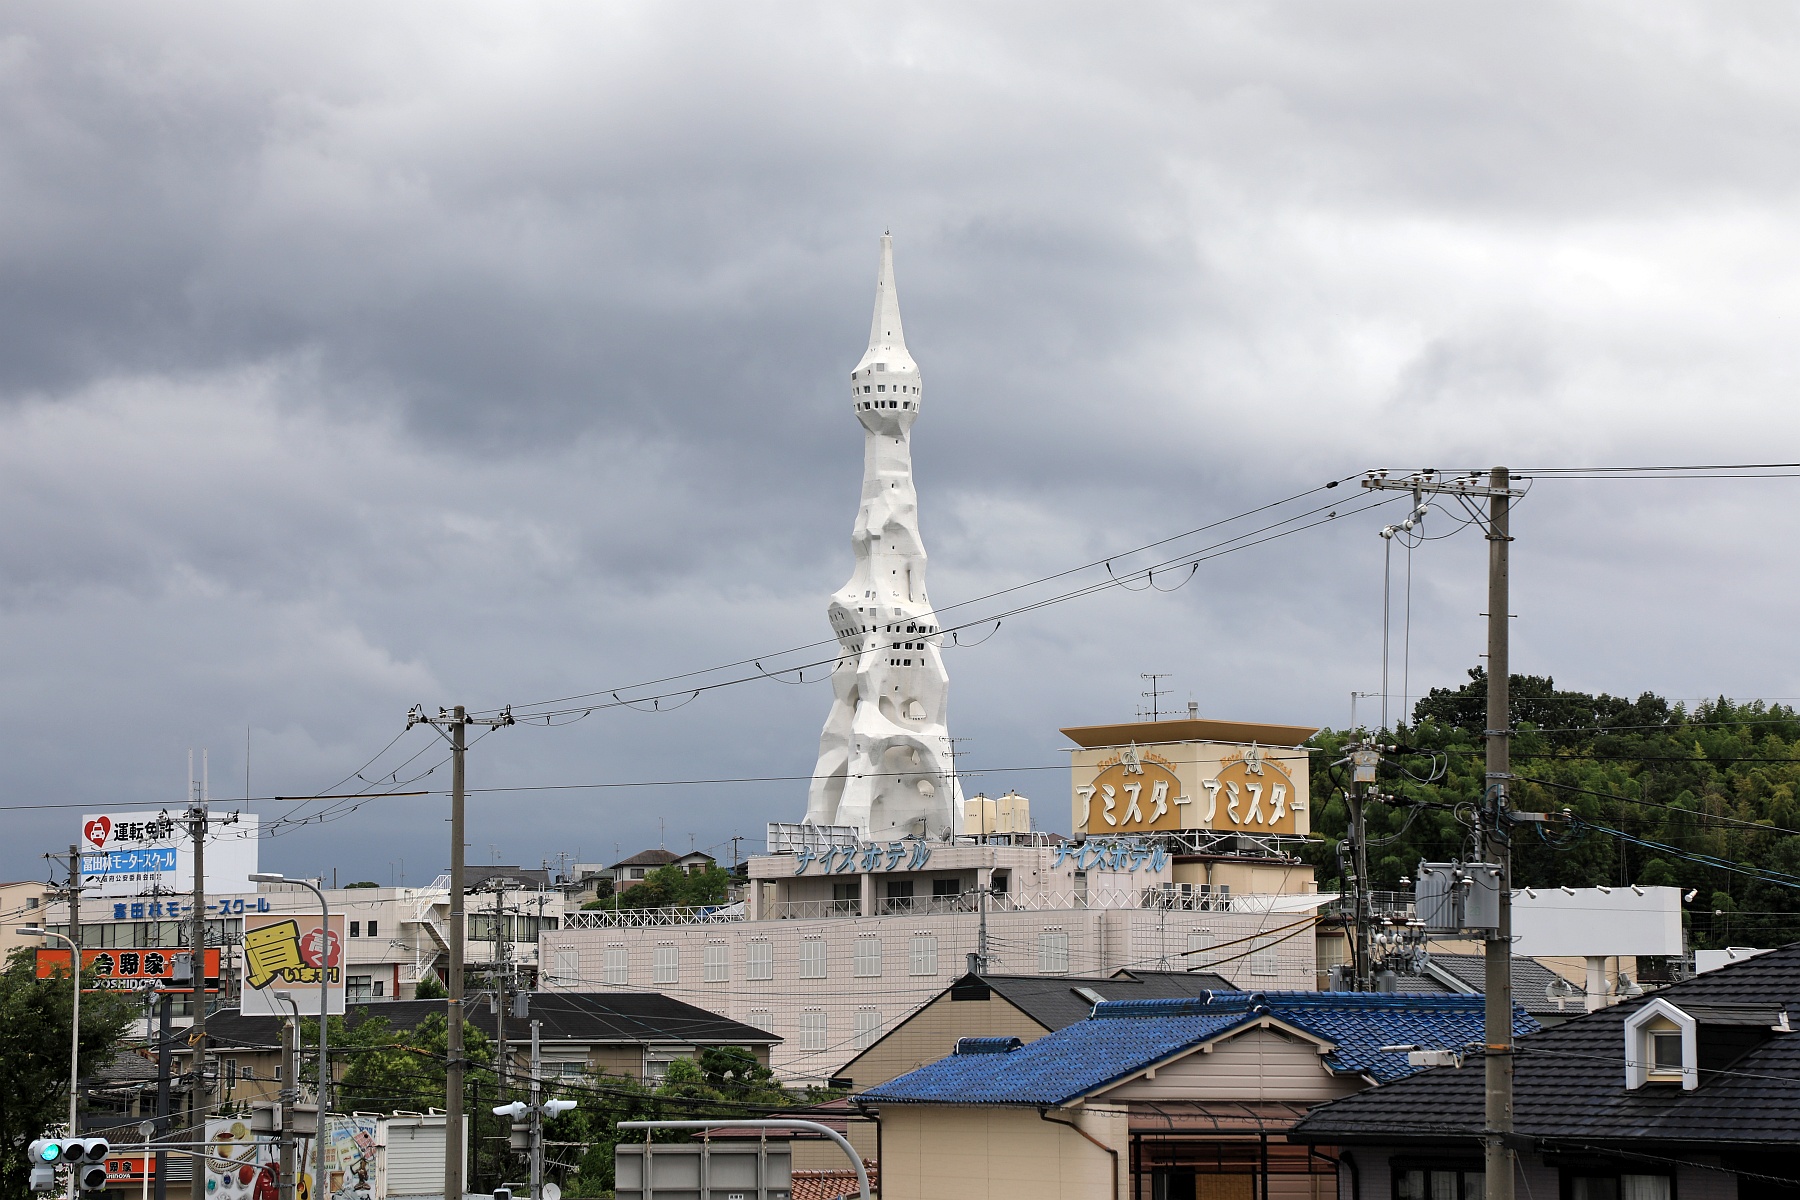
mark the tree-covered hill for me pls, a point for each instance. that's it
(1712, 790)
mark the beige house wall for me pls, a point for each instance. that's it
(943, 1152)
(932, 1032)
(1263, 1064)
(22, 903)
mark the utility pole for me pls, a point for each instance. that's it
(1497, 1156)
(75, 909)
(164, 1032)
(290, 1085)
(537, 1115)
(1495, 812)
(500, 998)
(455, 1065)
(197, 1093)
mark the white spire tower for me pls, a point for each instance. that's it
(884, 757)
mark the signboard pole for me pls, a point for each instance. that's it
(197, 1093)
(75, 907)
(164, 1035)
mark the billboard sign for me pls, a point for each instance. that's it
(149, 853)
(123, 970)
(286, 953)
(1134, 789)
(239, 1164)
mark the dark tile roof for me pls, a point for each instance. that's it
(648, 858)
(1125, 1036)
(583, 1017)
(1054, 1002)
(1533, 983)
(1569, 1080)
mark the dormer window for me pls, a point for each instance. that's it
(1661, 1046)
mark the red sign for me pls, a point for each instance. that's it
(97, 830)
(121, 969)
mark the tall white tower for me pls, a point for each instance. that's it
(884, 757)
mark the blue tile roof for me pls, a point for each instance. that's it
(1123, 1037)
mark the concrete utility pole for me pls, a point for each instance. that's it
(198, 1094)
(537, 1115)
(75, 908)
(1497, 1156)
(455, 1065)
(1496, 815)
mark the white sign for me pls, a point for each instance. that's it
(285, 953)
(1596, 922)
(150, 853)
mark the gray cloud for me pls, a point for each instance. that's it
(351, 359)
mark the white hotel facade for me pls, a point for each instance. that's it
(829, 959)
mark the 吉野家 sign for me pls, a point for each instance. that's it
(287, 953)
(138, 853)
(122, 970)
(863, 856)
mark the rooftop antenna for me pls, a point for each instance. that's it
(1154, 695)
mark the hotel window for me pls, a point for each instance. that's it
(666, 967)
(759, 959)
(812, 1029)
(1199, 942)
(718, 962)
(924, 954)
(868, 1025)
(356, 929)
(358, 989)
(617, 965)
(868, 958)
(1265, 962)
(812, 958)
(1053, 952)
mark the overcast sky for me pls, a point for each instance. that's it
(353, 357)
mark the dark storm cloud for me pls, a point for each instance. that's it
(354, 358)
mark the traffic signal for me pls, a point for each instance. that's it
(556, 1108)
(86, 1157)
(44, 1155)
(90, 1166)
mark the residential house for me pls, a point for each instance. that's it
(1166, 1099)
(1685, 1094)
(1026, 1007)
(582, 1035)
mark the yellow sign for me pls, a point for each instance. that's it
(1192, 785)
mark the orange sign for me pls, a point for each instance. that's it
(1134, 793)
(1251, 792)
(122, 970)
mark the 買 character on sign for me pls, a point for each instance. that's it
(271, 952)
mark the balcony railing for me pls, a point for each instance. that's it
(1157, 898)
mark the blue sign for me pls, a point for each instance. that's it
(164, 910)
(1112, 854)
(863, 856)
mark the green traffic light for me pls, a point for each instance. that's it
(51, 1151)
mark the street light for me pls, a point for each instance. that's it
(318, 1188)
(74, 1029)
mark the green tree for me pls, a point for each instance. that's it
(34, 1056)
(669, 886)
(430, 988)
(1649, 792)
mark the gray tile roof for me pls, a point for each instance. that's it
(590, 1018)
(1569, 1081)
(1531, 982)
(1054, 1002)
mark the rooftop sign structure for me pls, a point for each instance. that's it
(1226, 777)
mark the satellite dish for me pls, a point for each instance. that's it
(551, 1192)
